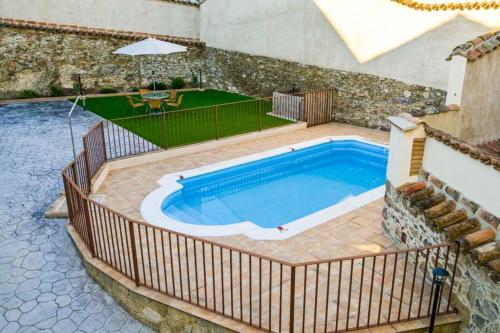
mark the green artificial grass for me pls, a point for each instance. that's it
(199, 120)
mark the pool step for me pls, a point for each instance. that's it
(187, 214)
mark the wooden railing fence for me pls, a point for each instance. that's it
(333, 295)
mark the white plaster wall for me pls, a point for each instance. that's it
(401, 146)
(151, 16)
(472, 178)
(297, 30)
(398, 163)
(456, 80)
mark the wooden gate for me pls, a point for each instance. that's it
(319, 106)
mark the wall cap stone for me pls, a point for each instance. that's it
(445, 216)
(82, 30)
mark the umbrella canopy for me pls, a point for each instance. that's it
(150, 46)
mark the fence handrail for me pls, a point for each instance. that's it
(256, 99)
(257, 255)
(371, 255)
(206, 241)
(119, 241)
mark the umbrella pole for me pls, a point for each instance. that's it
(153, 74)
(138, 62)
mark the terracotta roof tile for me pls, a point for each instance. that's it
(472, 5)
(48, 26)
(476, 152)
(463, 228)
(492, 146)
(440, 209)
(478, 238)
(450, 219)
(431, 201)
(477, 47)
(487, 252)
(412, 188)
(495, 266)
(444, 215)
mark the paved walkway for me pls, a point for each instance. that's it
(43, 285)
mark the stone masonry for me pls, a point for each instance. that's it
(36, 58)
(432, 212)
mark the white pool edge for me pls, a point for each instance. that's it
(152, 213)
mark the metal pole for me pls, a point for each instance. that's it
(71, 130)
(439, 276)
(434, 306)
(260, 115)
(291, 324)
(153, 74)
(216, 122)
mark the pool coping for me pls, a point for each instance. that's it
(152, 213)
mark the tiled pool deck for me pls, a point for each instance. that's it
(355, 233)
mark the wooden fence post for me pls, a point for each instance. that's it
(134, 252)
(88, 225)
(292, 299)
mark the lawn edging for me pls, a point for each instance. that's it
(73, 97)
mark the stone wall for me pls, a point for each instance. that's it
(35, 59)
(476, 285)
(364, 100)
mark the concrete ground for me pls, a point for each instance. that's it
(43, 284)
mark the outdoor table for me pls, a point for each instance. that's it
(155, 95)
(159, 96)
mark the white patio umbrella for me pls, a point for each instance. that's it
(150, 46)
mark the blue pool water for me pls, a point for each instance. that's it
(280, 189)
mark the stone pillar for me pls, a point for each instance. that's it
(403, 131)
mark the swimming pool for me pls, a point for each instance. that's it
(272, 195)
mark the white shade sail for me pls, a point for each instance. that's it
(150, 46)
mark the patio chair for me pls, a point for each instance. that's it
(143, 92)
(177, 103)
(172, 95)
(154, 105)
(134, 103)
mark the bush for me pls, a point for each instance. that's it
(55, 90)
(28, 93)
(133, 89)
(107, 90)
(194, 80)
(158, 85)
(178, 83)
(77, 88)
